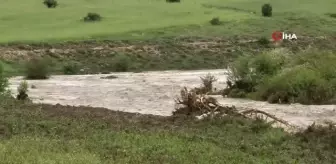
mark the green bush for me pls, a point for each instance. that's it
(173, 1)
(266, 10)
(239, 69)
(332, 15)
(323, 62)
(37, 68)
(299, 84)
(92, 17)
(264, 41)
(237, 93)
(241, 75)
(3, 81)
(215, 21)
(267, 64)
(307, 78)
(50, 3)
(248, 71)
(71, 68)
(121, 63)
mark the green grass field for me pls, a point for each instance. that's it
(135, 19)
(45, 134)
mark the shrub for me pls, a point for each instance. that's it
(299, 84)
(71, 69)
(332, 15)
(50, 3)
(264, 41)
(92, 17)
(267, 64)
(323, 62)
(121, 63)
(239, 69)
(248, 71)
(307, 78)
(237, 93)
(266, 10)
(279, 97)
(22, 91)
(173, 1)
(3, 81)
(215, 21)
(37, 68)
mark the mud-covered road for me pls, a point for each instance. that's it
(154, 93)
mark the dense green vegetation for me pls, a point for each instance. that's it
(282, 77)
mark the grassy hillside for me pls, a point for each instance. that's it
(134, 19)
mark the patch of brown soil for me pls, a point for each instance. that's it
(9, 53)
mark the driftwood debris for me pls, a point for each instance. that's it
(190, 103)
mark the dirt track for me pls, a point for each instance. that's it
(153, 93)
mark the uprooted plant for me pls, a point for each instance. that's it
(207, 84)
(193, 104)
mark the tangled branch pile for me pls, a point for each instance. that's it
(202, 105)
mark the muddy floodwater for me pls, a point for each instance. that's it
(154, 93)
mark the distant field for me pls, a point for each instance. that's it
(135, 19)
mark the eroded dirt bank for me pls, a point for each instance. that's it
(16, 51)
(154, 93)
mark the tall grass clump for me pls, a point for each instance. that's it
(22, 91)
